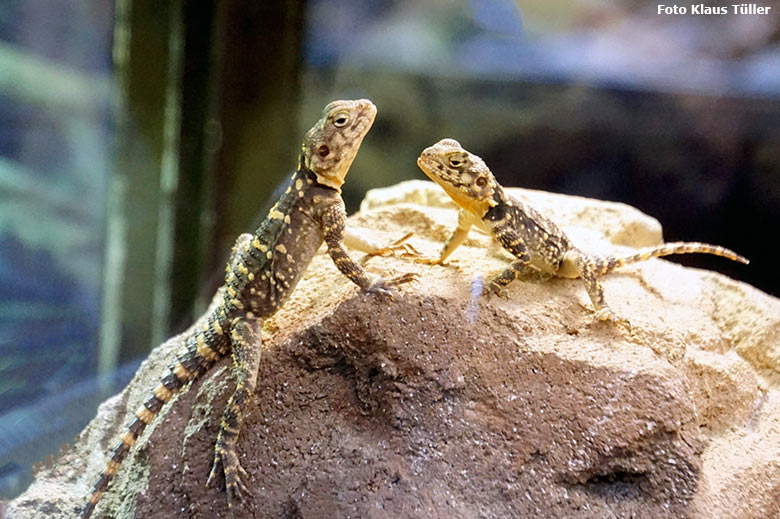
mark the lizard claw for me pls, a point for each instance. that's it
(408, 250)
(406, 277)
(234, 474)
(211, 481)
(236, 489)
(493, 288)
(384, 287)
(429, 261)
(399, 245)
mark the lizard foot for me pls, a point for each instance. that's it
(384, 286)
(234, 476)
(494, 289)
(606, 314)
(429, 261)
(406, 250)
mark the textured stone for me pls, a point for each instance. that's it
(436, 405)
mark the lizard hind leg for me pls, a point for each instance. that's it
(587, 268)
(498, 284)
(245, 338)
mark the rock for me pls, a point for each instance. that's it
(434, 405)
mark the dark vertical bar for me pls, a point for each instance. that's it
(199, 144)
(260, 84)
(239, 104)
(142, 60)
(235, 74)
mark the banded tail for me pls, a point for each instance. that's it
(202, 350)
(605, 265)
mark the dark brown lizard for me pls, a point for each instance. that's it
(535, 241)
(261, 273)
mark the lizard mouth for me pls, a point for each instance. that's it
(421, 164)
(426, 167)
(369, 107)
(367, 114)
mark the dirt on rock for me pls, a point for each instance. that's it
(405, 409)
(436, 405)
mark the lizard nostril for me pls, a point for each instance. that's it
(323, 151)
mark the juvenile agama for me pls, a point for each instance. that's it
(261, 273)
(534, 240)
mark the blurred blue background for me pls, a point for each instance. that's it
(138, 138)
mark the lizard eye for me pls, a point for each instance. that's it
(323, 151)
(481, 181)
(455, 162)
(341, 119)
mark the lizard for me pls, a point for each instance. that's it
(537, 243)
(261, 273)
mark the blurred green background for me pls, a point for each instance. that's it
(139, 138)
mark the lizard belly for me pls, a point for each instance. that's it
(540, 262)
(568, 268)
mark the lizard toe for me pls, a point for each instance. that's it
(407, 277)
(606, 314)
(494, 289)
(384, 287)
(235, 475)
(236, 490)
(212, 479)
(380, 287)
(428, 261)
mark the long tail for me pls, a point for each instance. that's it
(605, 265)
(202, 350)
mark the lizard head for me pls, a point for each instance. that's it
(463, 175)
(332, 144)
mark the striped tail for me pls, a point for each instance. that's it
(605, 265)
(202, 350)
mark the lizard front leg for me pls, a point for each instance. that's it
(333, 222)
(458, 236)
(587, 269)
(513, 242)
(355, 239)
(245, 338)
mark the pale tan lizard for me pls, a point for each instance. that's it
(534, 240)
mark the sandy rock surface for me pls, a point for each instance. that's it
(439, 405)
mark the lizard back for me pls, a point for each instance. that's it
(267, 268)
(546, 242)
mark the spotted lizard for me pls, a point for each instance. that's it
(536, 242)
(261, 273)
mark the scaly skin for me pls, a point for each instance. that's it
(536, 242)
(261, 273)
